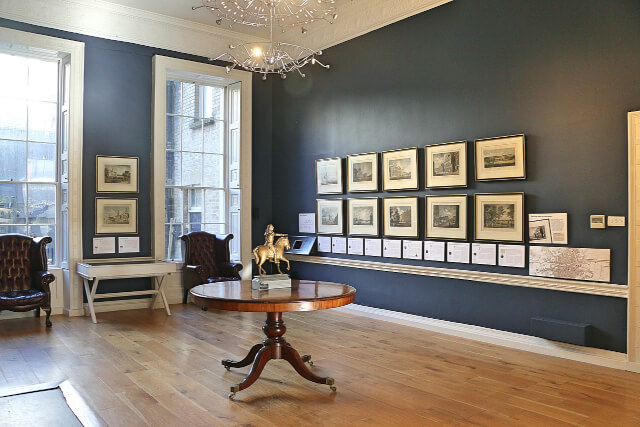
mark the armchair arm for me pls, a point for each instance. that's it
(42, 279)
(230, 269)
(198, 270)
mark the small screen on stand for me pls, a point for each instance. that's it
(297, 244)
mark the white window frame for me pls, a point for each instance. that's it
(70, 293)
(163, 68)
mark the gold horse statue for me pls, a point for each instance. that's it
(262, 253)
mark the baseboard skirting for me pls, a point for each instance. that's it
(592, 288)
(606, 358)
(6, 315)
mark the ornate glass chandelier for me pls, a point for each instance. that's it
(271, 57)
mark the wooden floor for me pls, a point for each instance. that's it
(143, 368)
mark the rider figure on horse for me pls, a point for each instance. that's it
(269, 237)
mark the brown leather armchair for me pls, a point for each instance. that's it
(207, 260)
(24, 279)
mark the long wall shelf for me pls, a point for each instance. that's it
(593, 288)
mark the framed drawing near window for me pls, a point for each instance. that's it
(362, 170)
(400, 216)
(500, 158)
(116, 174)
(400, 169)
(446, 164)
(499, 217)
(116, 216)
(329, 216)
(363, 216)
(329, 176)
(446, 217)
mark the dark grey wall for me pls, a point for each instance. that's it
(564, 73)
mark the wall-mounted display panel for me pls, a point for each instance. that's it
(329, 176)
(499, 217)
(400, 216)
(446, 217)
(500, 158)
(363, 216)
(446, 165)
(400, 169)
(329, 216)
(362, 170)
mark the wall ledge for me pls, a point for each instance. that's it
(592, 288)
(595, 356)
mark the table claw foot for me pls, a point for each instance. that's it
(249, 358)
(307, 359)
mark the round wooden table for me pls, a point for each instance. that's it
(303, 295)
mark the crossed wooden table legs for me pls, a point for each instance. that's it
(273, 347)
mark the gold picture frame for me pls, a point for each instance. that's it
(362, 172)
(400, 169)
(116, 174)
(446, 165)
(499, 217)
(400, 217)
(116, 216)
(500, 158)
(329, 176)
(363, 214)
(446, 217)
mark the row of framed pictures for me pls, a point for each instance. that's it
(498, 216)
(500, 158)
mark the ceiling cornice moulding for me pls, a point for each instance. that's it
(99, 18)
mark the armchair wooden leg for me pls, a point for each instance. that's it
(185, 296)
(47, 322)
(37, 314)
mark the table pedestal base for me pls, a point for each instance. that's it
(273, 347)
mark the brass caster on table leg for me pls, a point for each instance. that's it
(228, 368)
(330, 382)
(234, 389)
(205, 308)
(333, 388)
(307, 359)
(231, 396)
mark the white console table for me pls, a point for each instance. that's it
(125, 270)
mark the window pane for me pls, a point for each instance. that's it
(173, 168)
(190, 99)
(12, 203)
(13, 161)
(45, 230)
(214, 170)
(13, 76)
(172, 233)
(195, 200)
(13, 118)
(173, 205)
(42, 162)
(42, 121)
(191, 134)
(191, 169)
(215, 228)
(212, 102)
(214, 206)
(42, 204)
(173, 132)
(11, 229)
(214, 138)
(174, 95)
(195, 227)
(43, 80)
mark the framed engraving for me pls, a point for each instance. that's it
(446, 165)
(116, 174)
(400, 216)
(329, 216)
(446, 217)
(329, 176)
(500, 158)
(400, 169)
(499, 217)
(116, 216)
(363, 216)
(362, 170)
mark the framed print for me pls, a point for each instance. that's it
(116, 174)
(400, 169)
(329, 176)
(500, 158)
(499, 217)
(446, 164)
(400, 216)
(446, 217)
(329, 216)
(116, 216)
(362, 170)
(363, 216)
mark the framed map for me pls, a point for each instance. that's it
(570, 263)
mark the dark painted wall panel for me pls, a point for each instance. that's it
(564, 73)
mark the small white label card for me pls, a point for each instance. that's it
(307, 223)
(412, 249)
(373, 247)
(339, 245)
(483, 253)
(104, 245)
(392, 248)
(511, 255)
(324, 244)
(355, 246)
(458, 252)
(433, 251)
(128, 244)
